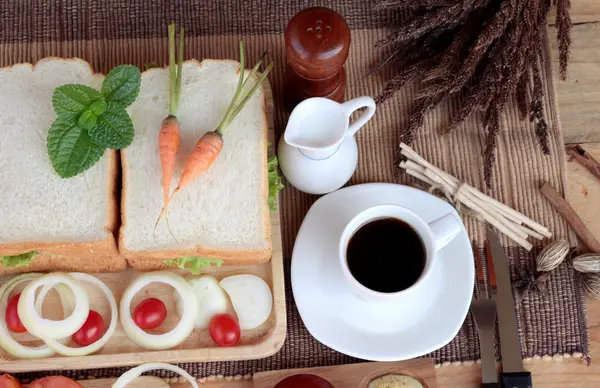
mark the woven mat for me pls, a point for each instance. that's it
(111, 32)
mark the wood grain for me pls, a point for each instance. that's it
(575, 151)
(356, 375)
(584, 191)
(261, 342)
(582, 11)
(586, 238)
(579, 96)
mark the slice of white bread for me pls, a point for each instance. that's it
(223, 213)
(70, 222)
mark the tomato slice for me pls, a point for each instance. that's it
(7, 381)
(224, 330)
(150, 313)
(91, 331)
(13, 322)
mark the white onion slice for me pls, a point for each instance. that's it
(251, 298)
(85, 350)
(210, 297)
(180, 332)
(7, 342)
(134, 373)
(47, 328)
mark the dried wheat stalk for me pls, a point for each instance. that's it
(481, 51)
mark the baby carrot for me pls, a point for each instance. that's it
(210, 144)
(202, 157)
(169, 138)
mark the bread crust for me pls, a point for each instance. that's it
(153, 259)
(92, 256)
(106, 255)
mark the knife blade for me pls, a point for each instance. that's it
(513, 375)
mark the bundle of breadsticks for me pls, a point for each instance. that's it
(506, 220)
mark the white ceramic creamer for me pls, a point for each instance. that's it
(318, 152)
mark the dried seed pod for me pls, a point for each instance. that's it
(552, 255)
(587, 263)
(591, 285)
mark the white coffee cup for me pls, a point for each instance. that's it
(434, 236)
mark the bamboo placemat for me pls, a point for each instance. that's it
(111, 32)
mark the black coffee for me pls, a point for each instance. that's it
(386, 255)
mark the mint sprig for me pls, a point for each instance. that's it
(89, 121)
(70, 148)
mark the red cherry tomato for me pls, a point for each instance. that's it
(91, 331)
(7, 381)
(12, 316)
(150, 313)
(224, 330)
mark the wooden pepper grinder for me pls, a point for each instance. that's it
(317, 41)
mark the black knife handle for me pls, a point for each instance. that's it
(516, 380)
(489, 385)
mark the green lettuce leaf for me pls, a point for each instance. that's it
(21, 260)
(194, 264)
(275, 182)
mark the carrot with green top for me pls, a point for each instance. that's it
(210, 144)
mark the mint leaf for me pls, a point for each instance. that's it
(70, 148)
(98, 107)
(122, 84)
(113, 129)
(87, 120)
(21, 260)
(194, 264)
(275, 182)
(71, 100)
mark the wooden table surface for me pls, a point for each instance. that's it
(579, 104)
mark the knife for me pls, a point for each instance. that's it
(513, 375)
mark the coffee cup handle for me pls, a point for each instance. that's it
(444, 229)
(357, 103)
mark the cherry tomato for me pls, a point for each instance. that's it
(224, 330)
(7, 381)
(150, 313)
(91, 331)
(12, 316)
(304, 381)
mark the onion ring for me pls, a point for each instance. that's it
(7, 342)
(47, 328)
(134, 373)
(180, 332)
(85, 350)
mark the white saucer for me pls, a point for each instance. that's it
(383, 331)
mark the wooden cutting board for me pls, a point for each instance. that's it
(356, 375)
